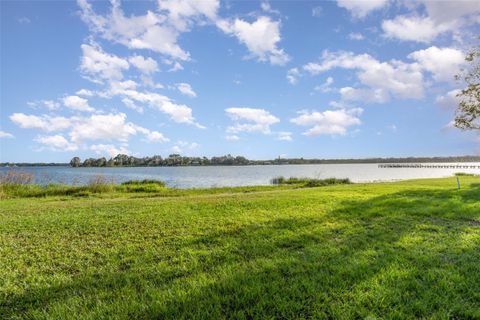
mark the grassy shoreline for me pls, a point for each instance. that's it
(404, 249)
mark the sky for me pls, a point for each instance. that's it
(262, 79)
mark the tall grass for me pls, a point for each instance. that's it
(19, 184)
(308, 182)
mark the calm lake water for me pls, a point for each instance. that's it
(197, 177)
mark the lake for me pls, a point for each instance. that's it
(220, 176)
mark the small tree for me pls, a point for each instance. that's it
(75, 162)
(468, 110)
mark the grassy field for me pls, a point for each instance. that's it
(388, 251)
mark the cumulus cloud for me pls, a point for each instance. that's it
(440, 17)
(371, 95)
(81, 129)
(56, 143)
(260, 37)
(178, 112)
(186, 89)
(76, 103)
(159, 31)
(97, 65)
(85, 92)
(420, 29)
(4, 134)
(250, 120)
(383, 79)
(443, 63)
(109, 149)
(284, 136)
(232, 137)
(329, 122)
(49, 104)
(156, 31)
(45, 123)
(102, 127)
(131, 105)
(361, 8)
(182, 13)
(326, 86)
(182, 146)
(151, 136)
(292, 75)
(355, 36)
(145, 65)
(135, 32)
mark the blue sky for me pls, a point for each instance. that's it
(323, 79)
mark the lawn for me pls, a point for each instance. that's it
(388, 251)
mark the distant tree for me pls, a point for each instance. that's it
(75, 162)
(468, 110)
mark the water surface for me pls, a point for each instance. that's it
(220, 176)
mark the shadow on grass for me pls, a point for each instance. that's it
(411, 254)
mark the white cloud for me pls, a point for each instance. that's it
(372, 95)
(449, 100)
(178, 112)
(420, 29)
(49, 104)
(232, 137)
(46, 123)
(107, 127)
(441, 17)
(254, 120)
(383, 79)
(182, 13)
(260, 37)
(177, 66)
(176, 149)
(56, 143)
(284, 136)
(4, 134)
(265, 5)
(109, 149)
(326, 86)
(85, 92)
(292, 75)
(181, 146)
(98, 65)
(155, 136)
(146, 66)
(355, 36)
(360, 8)
(186, 89)
(447, 11)
(77, 103)
(443, 63)
(154, 31)
(130, 104)
(329, 122)
(102, 127)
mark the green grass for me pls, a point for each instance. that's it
(308, 182)
(398, 250)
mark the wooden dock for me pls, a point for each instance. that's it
(429, 165)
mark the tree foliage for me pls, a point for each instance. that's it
(468, 110)
(176, 160)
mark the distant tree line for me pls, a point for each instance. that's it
(175, 160)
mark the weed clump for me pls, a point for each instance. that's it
(308, 182)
